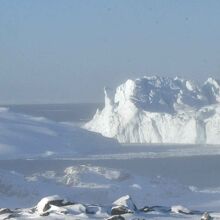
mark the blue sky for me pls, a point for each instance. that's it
(68, 50)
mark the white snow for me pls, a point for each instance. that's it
(125, 201)
(87, 184)
(157, 195)
(180, 209)
(152, 110)
(43, 202)
(23, 136)
(161, 110)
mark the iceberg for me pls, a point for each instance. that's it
(156, 109)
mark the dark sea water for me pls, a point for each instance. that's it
(78, 112)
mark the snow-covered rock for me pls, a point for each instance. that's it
(46, 203)
(125, 201)
(78, 211)
(161, 110)
(180, 209)
(25, 136)
(91, 198)
(206, 216)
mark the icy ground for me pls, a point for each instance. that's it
(90, 190)
(23, 136)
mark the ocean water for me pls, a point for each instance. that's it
(78, 112)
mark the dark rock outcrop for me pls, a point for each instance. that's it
(120, 210)
(116, 217)
(5, 211)
(206, 216)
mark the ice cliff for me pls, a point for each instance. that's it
(161, 110)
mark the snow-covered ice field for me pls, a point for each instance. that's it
(190, 181)
(170, 181)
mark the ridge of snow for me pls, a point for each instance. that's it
(23, 136)
(161, 110)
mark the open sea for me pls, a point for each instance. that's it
(79, 112)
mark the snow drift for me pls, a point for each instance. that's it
(91, 192)
(24, 136)
(161, 110)
(91, 184)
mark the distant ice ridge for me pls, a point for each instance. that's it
(161, 110)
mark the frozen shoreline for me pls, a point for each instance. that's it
(198, 171)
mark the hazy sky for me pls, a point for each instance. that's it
(68, 50)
